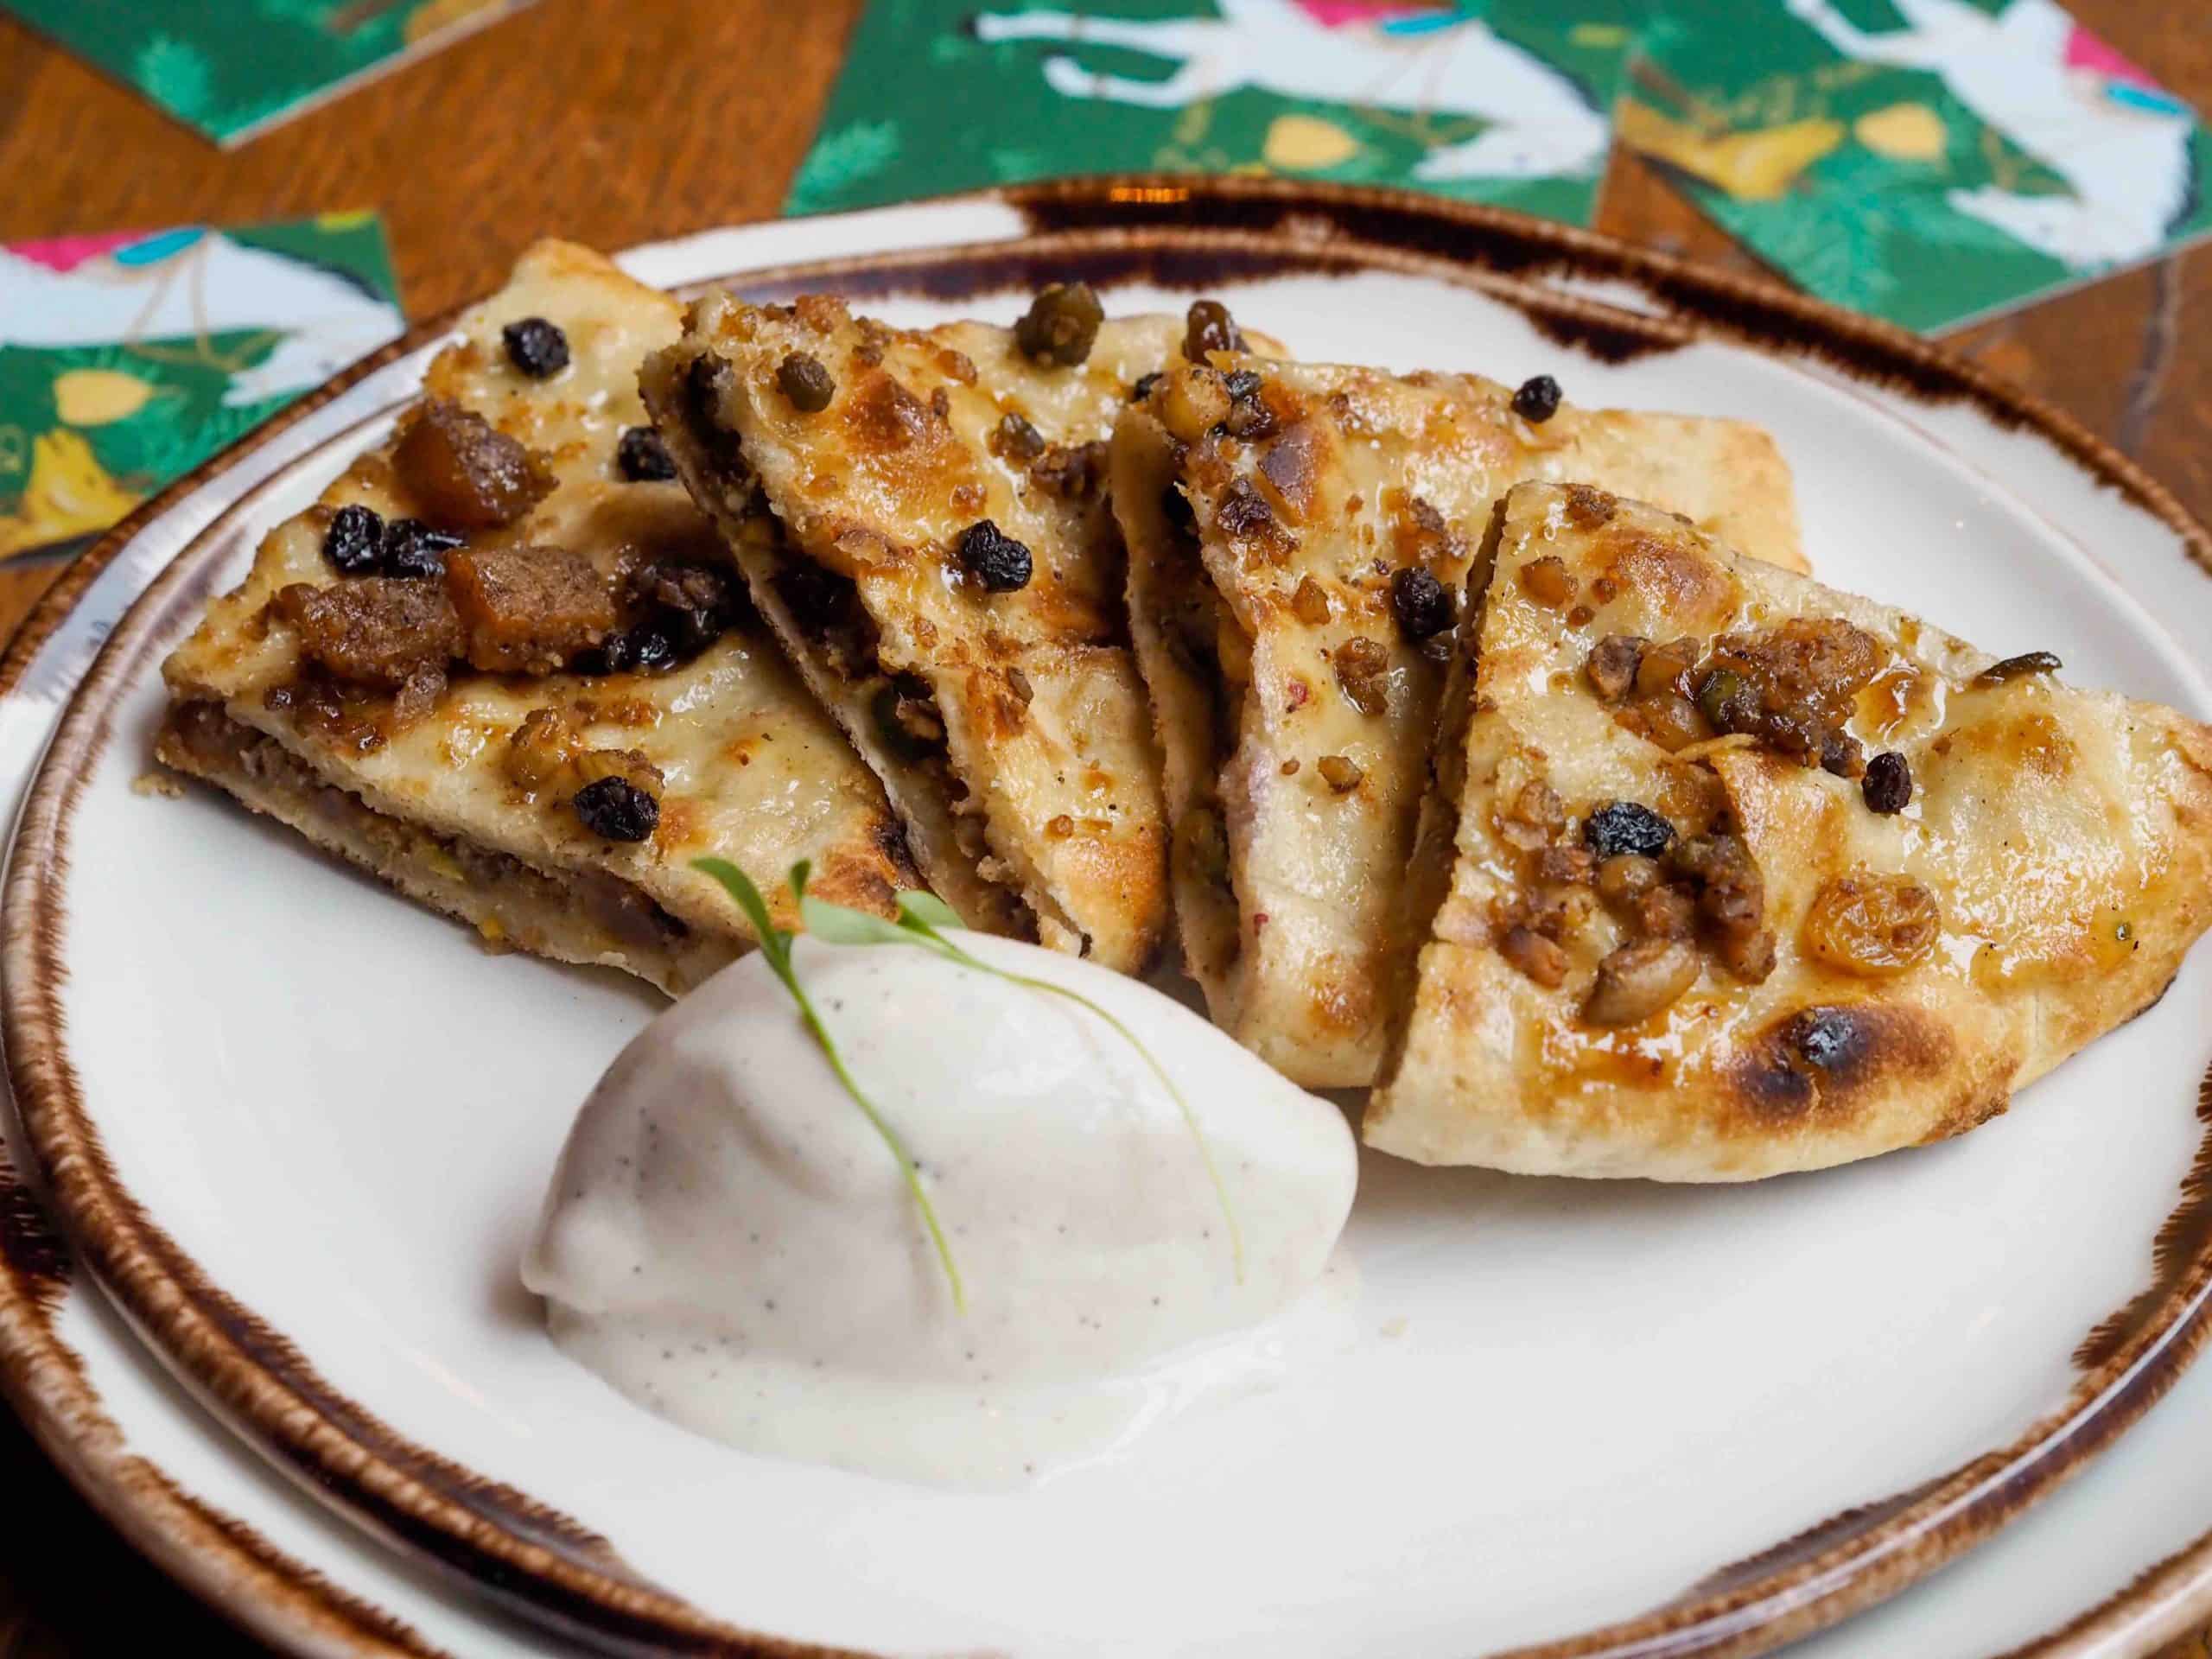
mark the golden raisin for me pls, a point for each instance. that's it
(1873, 926)
(541, 752)
(1061, 325)
(1209, 327)
(1547, 581)
(1342, 774)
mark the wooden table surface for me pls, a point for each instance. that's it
(616, 121)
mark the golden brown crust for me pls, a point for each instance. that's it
(1045, 741)
(1342, 478)
(914, 789)
(749, 767)
(2058, 837)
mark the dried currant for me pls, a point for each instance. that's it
(617, 809)
(993, 558)
(1626, 827)
(639, 650)
(1537, 399)
(535, 346)
(354, 542)
(1823, 1038)
(1887, 785)
(643, 457)
(1423, 604)
(412, 548)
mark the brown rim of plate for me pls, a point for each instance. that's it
(536, 1562)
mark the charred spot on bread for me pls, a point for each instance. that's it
(1831, 1056)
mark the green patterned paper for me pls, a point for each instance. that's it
(126, 360)
(1929, 162)
(233, 67)
(1503, 101)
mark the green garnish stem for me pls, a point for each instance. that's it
(776, 945)
(892, 1139)
(920, 917)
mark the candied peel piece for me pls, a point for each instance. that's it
(527, 610)
(375, 631)
(465, 473)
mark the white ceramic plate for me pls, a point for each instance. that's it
(300, 1127)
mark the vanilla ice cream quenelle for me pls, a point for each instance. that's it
(730, 1241)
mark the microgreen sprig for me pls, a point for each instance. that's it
(921, 917)
(776, 946)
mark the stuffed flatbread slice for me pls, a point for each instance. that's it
(1725, 873)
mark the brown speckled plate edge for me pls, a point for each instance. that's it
(537, 1562)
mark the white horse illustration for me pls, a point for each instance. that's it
(2120, 142)
(208, 285)
(1419, 61)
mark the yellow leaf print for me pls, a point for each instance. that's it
(70, 493)
(1904, 132)
(1755, 166)
(95, 397)
(1304, 143)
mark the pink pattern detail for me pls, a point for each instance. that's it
(2084, 51)
(66, 253)
(1352, 14)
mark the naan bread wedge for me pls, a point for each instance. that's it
(463, 733)
(1297, 536)
(1725, 873)
(872, 483)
